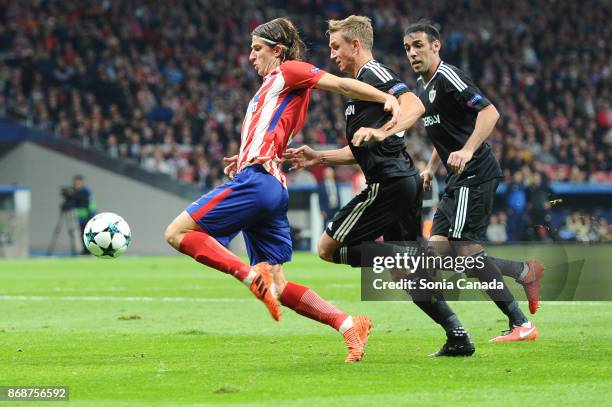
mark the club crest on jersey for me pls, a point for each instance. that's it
(432, 95)
(253, 104)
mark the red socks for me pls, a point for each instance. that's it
(306, 302)
(206, 250)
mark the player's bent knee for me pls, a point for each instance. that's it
(177, 229)
(173, 236)
(169, 236)
(439, 246)
(325, 253)
(469, 249)
(322, 254)
(326, 247)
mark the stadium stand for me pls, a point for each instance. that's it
(165, 84)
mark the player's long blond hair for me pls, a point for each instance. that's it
(354, 27)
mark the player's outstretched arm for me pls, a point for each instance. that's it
(411, 108)
(485, 122)
(359, 90)
(305, 157)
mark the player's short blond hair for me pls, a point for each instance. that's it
(354, 27)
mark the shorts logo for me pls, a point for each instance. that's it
(432, 95)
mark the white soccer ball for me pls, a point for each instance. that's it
(107, 235)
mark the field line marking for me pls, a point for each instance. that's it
(222, 299)
(128, 299)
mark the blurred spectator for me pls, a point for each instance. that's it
(496, 232)
(583, 227)
(157, 163)
(329, 194)
(516, 201)
(538, 193)
(587, 232)
(80, 200)
(604, 230)
(573, 224)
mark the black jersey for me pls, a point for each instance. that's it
(452, 102)
(387, 159)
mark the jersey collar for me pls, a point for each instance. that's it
(273, 72)
(362, 67)
(432, 76)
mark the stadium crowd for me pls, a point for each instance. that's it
(165, 84)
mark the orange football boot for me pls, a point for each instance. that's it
(263, 288)
(356, 338)
(525, 332)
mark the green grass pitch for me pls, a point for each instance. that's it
(148, 331)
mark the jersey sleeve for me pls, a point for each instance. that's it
(395, 86)
(300, 75)
(385, 80)
(463, 90)
(398, 88)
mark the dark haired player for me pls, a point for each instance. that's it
(255, 200)
(458, 119)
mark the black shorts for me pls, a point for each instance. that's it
(390, 209)
(464, 211)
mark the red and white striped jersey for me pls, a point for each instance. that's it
(275, 114)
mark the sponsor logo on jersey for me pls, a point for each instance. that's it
(475, 99)
(431, 120)
(253, 104)
(432, 95)
(350, 110)
(314, 69)
(397, 88)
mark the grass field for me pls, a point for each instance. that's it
(167, 331)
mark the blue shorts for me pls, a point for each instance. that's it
(255, 203)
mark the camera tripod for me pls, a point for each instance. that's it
(66, 218)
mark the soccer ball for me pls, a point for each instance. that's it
(107, 235)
